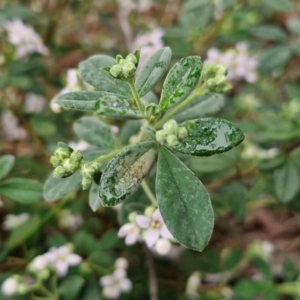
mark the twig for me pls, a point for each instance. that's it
(153, 290)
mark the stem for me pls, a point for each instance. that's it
(198, 92)
(153, 290)
(109, 155)
(149, 193)
(44, 291)
(136, 97)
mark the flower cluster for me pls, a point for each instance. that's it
(69, 221)
(238, 61)
(34, 103)
(12, 221)
(125, 67)
(150, 228)
(171, 133)
(116, 283)
(24, 38)
(17, 285)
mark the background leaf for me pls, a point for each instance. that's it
(183, 202)
(6, 165)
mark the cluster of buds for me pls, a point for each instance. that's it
(87, 171)
(171, 134)
(215, 78)
(17, 285)
(66, 162)
(125, 67)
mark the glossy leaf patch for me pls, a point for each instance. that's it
(91, 73)
(183, 202)
(209, 136)
(180, 81)
(153, 70)
(94, 132)
(108, 104)
(124, 173)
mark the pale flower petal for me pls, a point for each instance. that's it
(61, 267)
(119, 273)
(106, 280)
(143, 221)
(74, 259)
(164, 231)
(125, 285)
(121, 263)
(157, 216)
(151, 237)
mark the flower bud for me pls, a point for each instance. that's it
(128, 69)
(10, 286)
(62, 153)
(221, 69)
(86, 182)
(87, 170)
(55, 161)
(149, 211)
(59, 172)
(77, 156)
(220, 80)
(116, 71)
(95, 166)
(131, 216)
(118, 58)
(211, 84)
(182, 132)
(152, 109)
(172, 140)
(160, 136)
(70, 165)
(22, 289)
(171, 127)
(121, 263)
(209, 71)
(44, 274)
(131, 58)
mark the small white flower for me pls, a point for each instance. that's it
(9, 287)
(34, 103)
(11, 128)
(39, 263)
(121, 263)
(13, 221)
(61, 258)
(81, 145)
(131, 232)
(193, 284)
(24, 38)
(73, 84)
(67, 220)
(155, 227)
(113, 285)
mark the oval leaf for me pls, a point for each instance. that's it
(153, 70)
(209, 136)
(56, 188)
(94, 132)
(91, 73)
(287, 182)
(124, 173)
(183, 202)
(180, 81)
(94, 200)
(22, 190)
(6, 164)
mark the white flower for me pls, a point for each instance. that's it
(24, 38)
(56, 108)
(11, 127)
(9, 287)
(34, 103)
(155, 227)
(61, 258)
(39, 263)
(193, 284)
(121, 263)
(131, 232)
(69, 221)
(73, 84)
(163, 246)
(13, 221)
(113, 285)
(81, 145)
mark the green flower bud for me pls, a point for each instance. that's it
(44, 274)
(55, 161)
(220, 80)
(152, 109)
(77, 156)
(70, 165)
(22, 289)
(62, 153)
(95, 165)
(172, 140)
(131, 217)
(182, 132)
(131, 58)
(86, 182)
(226, 88)
(116, 71)
(122, 62)
(129, 69)
(209, 71)
(118, 58)
(171, 127)
(161, 136)
(87, 170)
(211, 84)
(221, 70)
(59, 172)
(149, 211)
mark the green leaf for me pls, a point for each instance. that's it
(286, 182)
(124, 173)
(275, 58)
(71, 286)
(183, 202)
(209, 136)
(200, 107)
(94, 132)
(279, 5)
(108, 240)
(270, 33)
(293, 25)
(55, 188)
(94, 200)
(6, 165)
(108, 104)
(180, 81)
(22, 190)
(247, 289)
(153, 70)
(91, 73)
